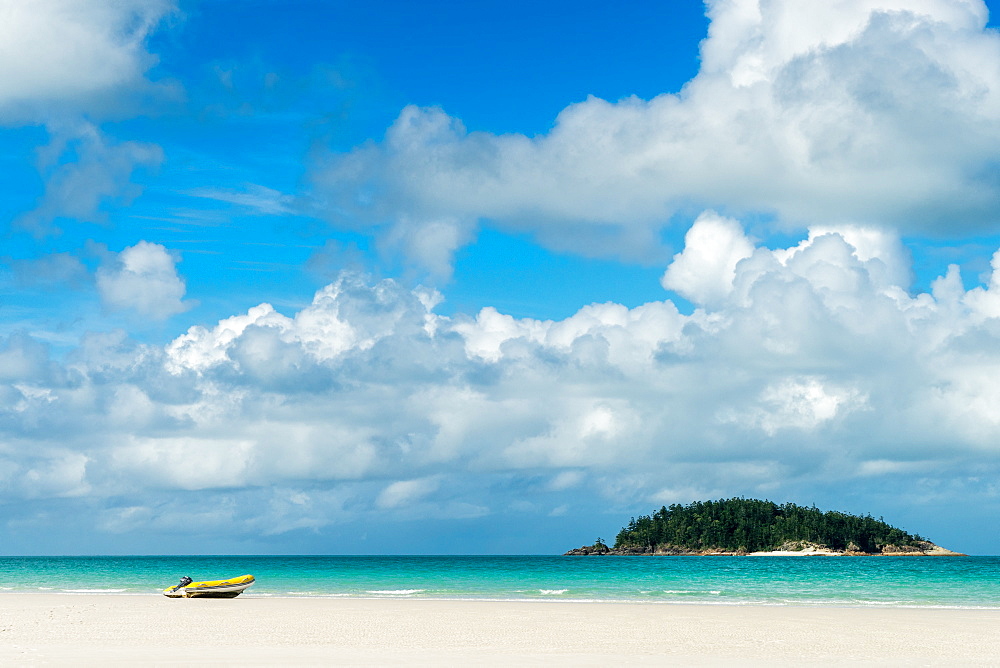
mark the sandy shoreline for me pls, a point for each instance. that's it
(48, 629)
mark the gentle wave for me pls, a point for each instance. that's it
(94, 591)
(552, 592)
(395, 592)
(680, 601)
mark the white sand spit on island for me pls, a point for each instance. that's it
(807, 552)
(92, 630)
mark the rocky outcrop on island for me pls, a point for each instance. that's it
(926, 548)
(748, 527)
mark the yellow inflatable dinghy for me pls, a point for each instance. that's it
(230, 588)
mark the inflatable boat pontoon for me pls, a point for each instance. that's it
(230, 588)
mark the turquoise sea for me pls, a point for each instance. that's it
(963, 582)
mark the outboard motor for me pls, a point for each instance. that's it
(185, 581)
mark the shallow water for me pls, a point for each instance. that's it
(964, 582)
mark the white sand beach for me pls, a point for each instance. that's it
(44, 629)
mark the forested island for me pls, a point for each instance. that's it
(750, 526)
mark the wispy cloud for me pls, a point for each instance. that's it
(84, 172)
(256, 198)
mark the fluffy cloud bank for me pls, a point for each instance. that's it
(881, 113)
(805, 368)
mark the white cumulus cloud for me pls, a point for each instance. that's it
(143, 278)
(879, 113)
(67, 54)
(704, 272)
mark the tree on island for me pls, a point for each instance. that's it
(750, 525)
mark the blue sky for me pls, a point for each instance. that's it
(424, 277)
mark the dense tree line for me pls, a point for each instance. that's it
(751, 525)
